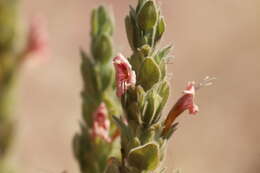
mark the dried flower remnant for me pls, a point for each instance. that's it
(186, 102)
(37, 41)
(125, 76)
(101, 123)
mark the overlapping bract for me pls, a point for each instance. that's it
(144, 136)
(94, 143)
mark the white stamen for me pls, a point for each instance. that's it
(207, 81)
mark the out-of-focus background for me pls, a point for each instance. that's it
(216, 38)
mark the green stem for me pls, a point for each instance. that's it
(8, 69)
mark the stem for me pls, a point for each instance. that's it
(8, 68)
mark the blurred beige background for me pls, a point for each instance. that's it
(211, 37)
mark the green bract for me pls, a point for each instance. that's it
(101, 32)
(97, 74)
(145, 157)
(101, 22)
(102, 48)
(147, 16)
(160, 28)
(142, 143)
(149, 73)
(144, 25)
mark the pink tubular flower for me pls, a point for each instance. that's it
(101, 123)
(37, 41)
(125, 76)
(186, 102)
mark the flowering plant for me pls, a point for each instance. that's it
(95, 143)
(141, 85)
(143, 88)
(123, 128)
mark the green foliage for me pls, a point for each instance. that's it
(160, 28)
(162, 54)
(101, 22)
(86, 149)
(102, 48)
(151, 104)
(9, 64)
(97, 74)
(145, 157)
(101, 32)
(144, 25)
(113, 166)
(147, 16)
(149, 73)
(8, 29)
(143, 145)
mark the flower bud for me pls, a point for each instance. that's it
(102, 48)
(101, 22)
(147, 17)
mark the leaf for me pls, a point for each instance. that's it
(105, 21)
(89, 74)
(148, 135)
(111, 102)
(130, 31)
(106, 76)
(140, 96)
(113, 165)
(101, 22)
(136, 61)
(140, 4)
(121, 125)
(145, 157)
(160, 28)
(170, 131)
(133, 112)
(149, 73)
(162, 54)
(102, 48)
(163, 69)
(164, 92)
(147, 17)
(94, 22)
(133, 143)
(152, 103)
(8, 23)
